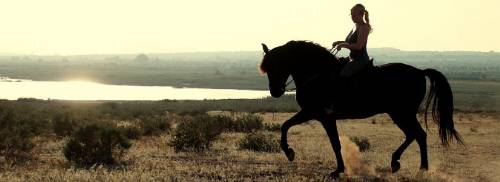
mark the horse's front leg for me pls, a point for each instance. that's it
(298, 118)
(330, 125)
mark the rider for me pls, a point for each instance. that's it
(356, 42)
(358, 58)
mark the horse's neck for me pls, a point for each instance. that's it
(307, 72)
(309, 79)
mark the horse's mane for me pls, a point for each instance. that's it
(308, 48)
(313, 53)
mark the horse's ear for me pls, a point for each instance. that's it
(264, 47)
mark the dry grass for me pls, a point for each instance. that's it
(151, 159)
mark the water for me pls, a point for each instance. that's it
(13, 89)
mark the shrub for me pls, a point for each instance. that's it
(154, 125)
(225, 122)
(245, 123)
(196, 134)
(260, 141)
(361, 142)
(248, 123)
(16, 134)
(63, 124)
(95, 144)
(272, 127)
(131, 132)
(16, 140)
(192, 112)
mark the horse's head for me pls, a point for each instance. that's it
(302, 59)
(274, 65)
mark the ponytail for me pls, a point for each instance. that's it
(367, 19)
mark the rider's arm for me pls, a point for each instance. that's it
(337, 43)
(362, 38)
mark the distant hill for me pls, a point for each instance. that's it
(384, 54)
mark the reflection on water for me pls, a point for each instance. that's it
(13, 89)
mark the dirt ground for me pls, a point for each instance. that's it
(151, 159)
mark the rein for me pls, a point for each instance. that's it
(334, 51)
(304, 84)
(288, 83)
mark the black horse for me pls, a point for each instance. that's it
(396, 89)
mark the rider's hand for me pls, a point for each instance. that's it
(341, 45)
(336, 43)
(338, 47)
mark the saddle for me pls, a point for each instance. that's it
(343, 61)
(360, 78)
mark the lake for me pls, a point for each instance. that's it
(13, 89)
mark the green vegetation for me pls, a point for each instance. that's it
(196, 134)
(19, 124)
(153, 125)
(96, 144)
(260, 141)
(361, 142)
(64, 124)
(131, 132)
(247, 123)
(15, 139)
(272, 127)
(98, 132)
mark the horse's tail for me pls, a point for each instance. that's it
(441, 98)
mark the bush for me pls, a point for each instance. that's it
(272, 127)
(361, 142)
(95, 144)
(260, 141)
(225, 122)
(245, 123)
(192, 112)
(63, 124)
(248, 123)
(154, 125)
(196, 134)
(131, 132)
(16, 140)
(16, 134)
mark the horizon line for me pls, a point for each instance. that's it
(217, 51)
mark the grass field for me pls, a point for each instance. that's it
(474, 78)
(151, 159)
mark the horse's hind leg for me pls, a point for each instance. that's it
(421, 137)
(408, 123)
(401, 122)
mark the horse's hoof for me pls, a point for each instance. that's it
(424, 168)
(395, 166)
(336, 174)
(290, 154)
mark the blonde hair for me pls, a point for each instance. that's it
(365, 14)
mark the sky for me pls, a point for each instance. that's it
(69, 27)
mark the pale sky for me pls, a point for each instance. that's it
(146, 26)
